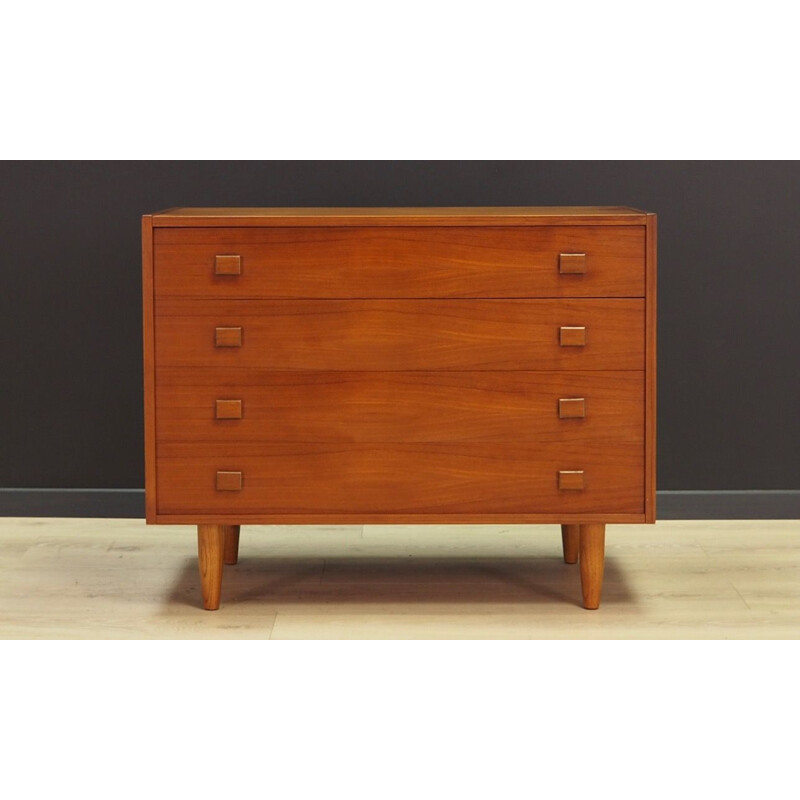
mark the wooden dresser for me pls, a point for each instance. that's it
(400, 365)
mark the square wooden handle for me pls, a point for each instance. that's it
(228, 409)
(572, 408)
(229, 481)
(572, 336)
(572, 263)
(228, 337)
(570, 479)
(227, 265)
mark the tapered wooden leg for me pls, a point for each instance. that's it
(231, 544)
(210, 547)
(592, 552)
(571, 537)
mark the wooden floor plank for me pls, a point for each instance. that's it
(120, 579)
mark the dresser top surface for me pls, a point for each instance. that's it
(453, 216)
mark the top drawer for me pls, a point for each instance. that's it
(408, 262)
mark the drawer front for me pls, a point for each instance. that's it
(229, 406)
(408, 478)
(588, 261)
(398, 335)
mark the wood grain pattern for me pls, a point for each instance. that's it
(223, 409)
(407, 360)
(149, 358)
(403, 262)
(210, 548)
(572, 407)
(419, 478)
(229, 265)
(399, 406)
(229, 481)
(570, 541)
(381, 335)
(572, 336)
(572, 263)
(231, 546)
(592, 558)
(571, 480)
(651, 367)
(228, 337)
(398, 518)
(374, 217)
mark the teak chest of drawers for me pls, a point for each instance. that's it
(409, 365)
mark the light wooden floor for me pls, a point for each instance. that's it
(110, 579)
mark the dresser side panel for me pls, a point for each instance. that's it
(650, 367)
(149, 361)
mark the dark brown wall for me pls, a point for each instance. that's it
(729, 274)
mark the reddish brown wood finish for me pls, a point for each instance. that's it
(397, 518)
(228, 337)
(398, 217)
(570, 540)
(380, 335)
(223, 409)
(572, 336)
(572, 407)
(411, 478)
(400, 365)
(571, 480)
(227, 265)
(399, 406)
(650, 367)
(210, 549)
(231, 533)
(149, 357)
(592, 558)
(229, 481)
(403, 262)
(575, 264)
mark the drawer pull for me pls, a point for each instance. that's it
(572, 336)
(229, 481)
(228, 337)
(228, 409)
(570, 479)
(227, 265)
(570, 408)
(572, 263)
